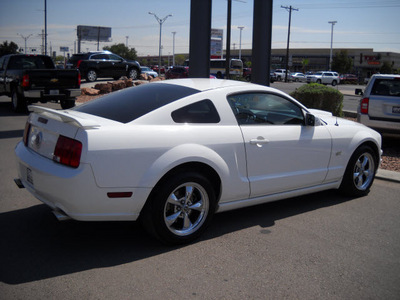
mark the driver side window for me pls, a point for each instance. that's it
(265, 109)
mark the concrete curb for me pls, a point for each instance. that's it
(388, 175)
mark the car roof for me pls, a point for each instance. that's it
(386, 76)
(204, 84)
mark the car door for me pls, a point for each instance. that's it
(282, 153)
(327, 78)
(119, 66)
(102, 65)
(2, 75)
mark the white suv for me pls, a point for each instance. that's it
(324, 77)
(380, 106)
(281, 73)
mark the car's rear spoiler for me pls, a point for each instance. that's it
(64, 116)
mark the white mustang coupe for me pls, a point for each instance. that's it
(173, 153)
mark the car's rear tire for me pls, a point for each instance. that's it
(360, 172)
(66, 104)
(319, 81)
(91, 75)
(133, 73)
(180, 208)
(334, 83)
(18, 102)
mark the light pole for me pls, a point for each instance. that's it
(25, 38)
(173, 48)
(330, 56)
(160, 21)
(240, 42)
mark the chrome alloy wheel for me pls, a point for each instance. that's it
(186, 209)
(364, 170)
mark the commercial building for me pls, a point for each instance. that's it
(365, 60)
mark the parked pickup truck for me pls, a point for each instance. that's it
(34, 78)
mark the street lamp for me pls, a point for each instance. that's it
(330, 56)
(160, 21)
(25, 38)
(240, 41)
(173, 48)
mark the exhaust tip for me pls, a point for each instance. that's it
(61, 216)
(18, 182)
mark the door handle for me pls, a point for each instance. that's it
(259, 141)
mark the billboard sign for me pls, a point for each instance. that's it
(216, 43)
(94, 33)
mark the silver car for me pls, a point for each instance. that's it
(380, 106)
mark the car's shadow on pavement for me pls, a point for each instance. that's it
(35, 246)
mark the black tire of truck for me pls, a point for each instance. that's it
(18, 102)
(68, 103)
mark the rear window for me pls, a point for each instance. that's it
(30, 62)
(386, 87)
(132, 103)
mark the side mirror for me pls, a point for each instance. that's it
(359, 92)
(310, 119)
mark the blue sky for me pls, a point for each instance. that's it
(360, 24)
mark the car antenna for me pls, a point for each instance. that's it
(336, 124)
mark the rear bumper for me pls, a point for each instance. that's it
(75, 191)
(58, 95)
(381, 126)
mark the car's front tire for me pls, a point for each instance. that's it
(180, 208)
(360, 172)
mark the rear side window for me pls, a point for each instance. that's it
(386, 87)
(129, 104)
(30, 62)
(199, 112)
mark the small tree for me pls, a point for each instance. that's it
(123, 51)
(179, 59)
(342, 63)
(386, 68)
(8, 48)
(319, 96)
(304, 63)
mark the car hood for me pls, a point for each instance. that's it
(330, 119)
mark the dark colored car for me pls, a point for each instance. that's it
(348, 78)
(177, 72)
(93, 65)
(247, 75)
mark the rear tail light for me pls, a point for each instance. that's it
(25, 81)
(364, 105)
(78, 63)
(79, 79)
(68, 151)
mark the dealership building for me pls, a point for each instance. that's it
(365, 60)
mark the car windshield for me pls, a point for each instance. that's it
(129, 104)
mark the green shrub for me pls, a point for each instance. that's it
(319, 96)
